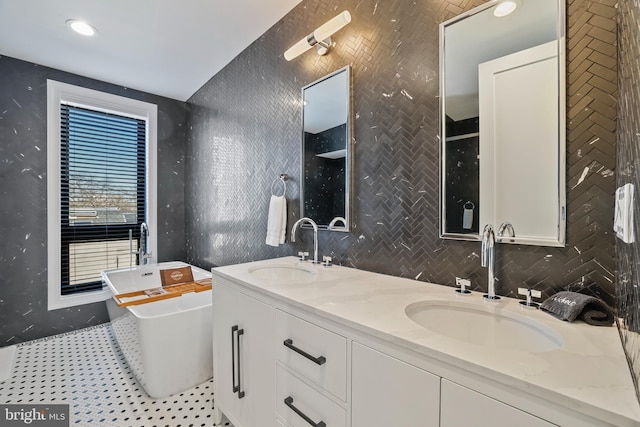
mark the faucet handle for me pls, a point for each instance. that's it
(303, 256)
(326, 261)
(463, 284)
(530, 293)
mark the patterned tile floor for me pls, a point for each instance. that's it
(87, 370)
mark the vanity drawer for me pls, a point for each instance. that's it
(313, 352)
(296, 400)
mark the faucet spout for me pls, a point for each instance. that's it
(506, 226)
(488, 260)
(144, 255)
(315, 235)
(334, 221)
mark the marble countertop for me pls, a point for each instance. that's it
(588, 373)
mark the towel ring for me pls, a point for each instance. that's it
(282, 178)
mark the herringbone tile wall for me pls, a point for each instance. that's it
(245, 130)
(627, 172)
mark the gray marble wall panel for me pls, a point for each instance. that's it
(245, 130)
(628, 172)
(23, 192)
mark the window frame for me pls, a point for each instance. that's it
(57, 94)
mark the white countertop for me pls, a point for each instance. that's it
(589, 373)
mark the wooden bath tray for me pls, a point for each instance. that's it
(157, 294)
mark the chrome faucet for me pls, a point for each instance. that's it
(506, 226)
(488, 259)
(143, 253)
(315, 235)
(334, 221)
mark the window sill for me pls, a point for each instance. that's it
(56, 302)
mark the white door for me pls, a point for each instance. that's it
(243, 357)
(389, 392)
(464, 407)
(519, 140)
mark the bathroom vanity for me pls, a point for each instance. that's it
(297, 344)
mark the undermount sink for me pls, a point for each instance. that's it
(484, 326)
(282, 273)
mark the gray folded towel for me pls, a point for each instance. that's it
(569, 306)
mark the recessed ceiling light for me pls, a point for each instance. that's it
(81, 27)
(505, 8)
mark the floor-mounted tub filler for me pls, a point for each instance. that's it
(167, 343)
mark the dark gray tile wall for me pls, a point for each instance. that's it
(628, 255)
(245, 129)
(23, 193)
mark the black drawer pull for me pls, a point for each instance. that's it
(317, 360)
(235, 388)
(289, 402)
(240, 391)
(236, 361)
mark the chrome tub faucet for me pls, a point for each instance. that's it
(144, 256)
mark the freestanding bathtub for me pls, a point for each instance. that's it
(167, 343)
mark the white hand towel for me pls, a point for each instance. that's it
(277, 221)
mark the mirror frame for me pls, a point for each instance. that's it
(348, 159)
(562, 133)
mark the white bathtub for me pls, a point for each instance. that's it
(167, 343)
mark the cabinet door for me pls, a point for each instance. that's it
(464, 407)
(242, 357)
(388, 392)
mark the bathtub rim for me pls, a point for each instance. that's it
(168, 306)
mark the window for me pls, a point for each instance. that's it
(101, 178)
(102, 193)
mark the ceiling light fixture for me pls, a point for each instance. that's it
(81, 27)
(505, 8)
(321, 37)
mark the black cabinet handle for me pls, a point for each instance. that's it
(289, 402)
(317, 360)
(240, 391)
(235, 387)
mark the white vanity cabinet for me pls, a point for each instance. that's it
(291, 369)
(242, 357)
(295, 354)
(461, 406)
(386, 391)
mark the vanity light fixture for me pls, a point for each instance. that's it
(81, 27)
(321, 37)
(505, 8)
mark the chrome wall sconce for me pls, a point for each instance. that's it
(320, 38)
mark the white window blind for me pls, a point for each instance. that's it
(102, 193)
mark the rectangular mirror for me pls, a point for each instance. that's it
(326, 150)
(502, 129)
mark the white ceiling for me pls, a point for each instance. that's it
(166, 47)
